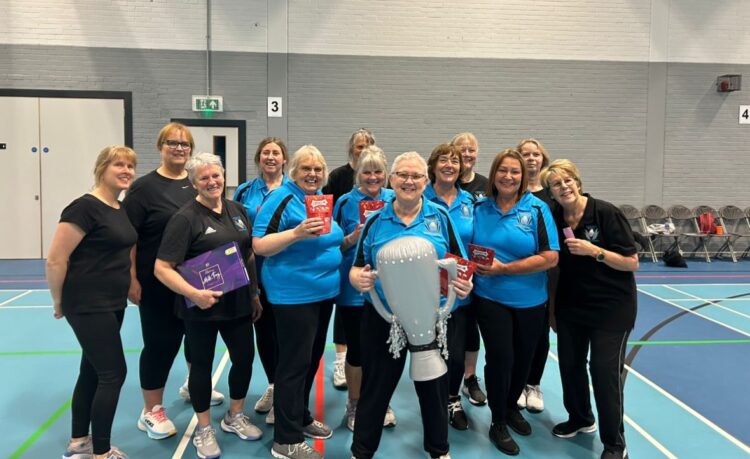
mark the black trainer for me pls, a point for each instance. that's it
(502, 440)
(456, 414)
(570, 429)
(610, 453)
(517, 422)
(472, 390)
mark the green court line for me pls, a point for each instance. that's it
(40, 431)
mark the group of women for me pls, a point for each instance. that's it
(299, 267)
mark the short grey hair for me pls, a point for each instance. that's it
(306, 152)
(199, 160)
(373, 157)
(409, 155)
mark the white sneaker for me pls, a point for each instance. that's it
(217, 398)
(444, 456)
(339, 375)
(534, 399)
(240, 424)
(270, 419)
(156, 424)
(265, 402)
(351, 413)
(522, 400)
(390, 418)
(205, 443)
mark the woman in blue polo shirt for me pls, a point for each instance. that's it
(444, 168)
(407, 215)
(511, 294)
(370, 180)
(270, 159)
(307, 264)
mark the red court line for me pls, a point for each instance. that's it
(21, 281)
(320, 403)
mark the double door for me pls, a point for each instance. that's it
(48, 147)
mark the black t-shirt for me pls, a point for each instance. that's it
(98, 275)
(340, 181)
(196, 229)
(545, 196)
(590, 292)
(477, 187)
(150, 203)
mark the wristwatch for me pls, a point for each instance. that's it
(600, 256)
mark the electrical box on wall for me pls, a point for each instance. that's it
(729, 83)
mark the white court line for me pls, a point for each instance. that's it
(635, 426)
(15, 298)
(194, 420)
(43, 306)
(723, 300)
(24, 289)
(712, 303)
(696, 313)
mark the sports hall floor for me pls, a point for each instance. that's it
(686, 394)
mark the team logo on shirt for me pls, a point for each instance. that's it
(433, 224)
(210, 230)
(592, 233)
(239, 224)
(465, 210)
(480, 195)
(525, 220)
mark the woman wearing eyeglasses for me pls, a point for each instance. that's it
(407, 215)
(306, 264)
(150, 203)
(595, 307)
(511, 293)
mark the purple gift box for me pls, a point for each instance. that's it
(221, 269)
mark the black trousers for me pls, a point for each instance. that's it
(351, 316)
(238, 336)
(162, 333)
(302, 329)
(542, 347)
(101, 376)
(266, 338)
(510, 336)
(457, 327)
(380, 376)
(472, 329)
(339, 335)
(607, 371)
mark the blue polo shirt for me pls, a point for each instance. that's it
(307, 270)
(462, 214)
(346, 213)
(525, 230)
(432, 223)
(252, 193)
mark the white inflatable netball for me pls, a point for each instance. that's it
(409, 274)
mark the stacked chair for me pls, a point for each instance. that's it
(638, 226)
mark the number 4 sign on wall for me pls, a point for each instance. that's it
(274, 107)
(744, 114)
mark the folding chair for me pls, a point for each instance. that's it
(660, 229)
(637, 225)
(686, 226)
(736, 223)
(725, 238)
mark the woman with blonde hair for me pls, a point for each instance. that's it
(88, 272)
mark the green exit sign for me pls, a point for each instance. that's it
(208, 104)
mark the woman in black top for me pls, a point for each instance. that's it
(88, 271)
(208, 222)
(595, 307)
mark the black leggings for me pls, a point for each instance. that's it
(162, 334)
(542, 347)
(457, 328)
(101, 375)
(472, 329)
(351, 316)
(238, 336)
(339, 335)
(266, 338)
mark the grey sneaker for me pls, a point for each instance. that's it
(339, 375)
(390, 418)
(265, 402)
(271, 418)
(205, 443)
(79, 450)
(351, 413)
(294, 451)
(318, 430)
(240, 424)
(115, 453)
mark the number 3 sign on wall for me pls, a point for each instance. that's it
(274, 107)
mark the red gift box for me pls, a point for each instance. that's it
(320, 205)
(464, 270)
(366, 207)
(481, 255)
